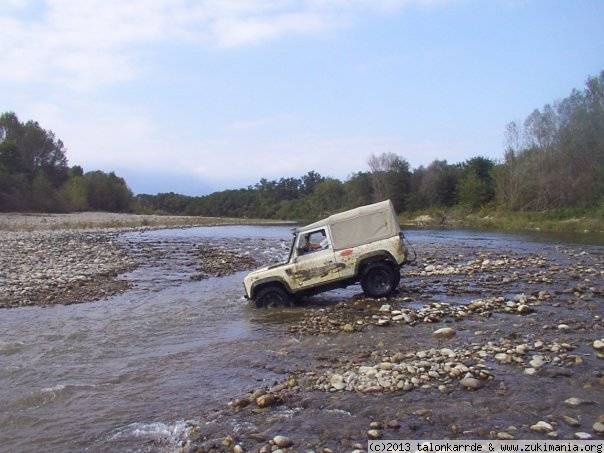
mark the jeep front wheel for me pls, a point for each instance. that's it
(273, 296)
(379, 280)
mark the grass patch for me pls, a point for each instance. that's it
(566, 220)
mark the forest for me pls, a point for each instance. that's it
(552, 160)
(34, 175)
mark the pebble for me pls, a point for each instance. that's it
(574, 402)
(598, 427)
(266, 400)
(502, 435)
(570, 421)
(541, 427)
(470, 383)
(374, 434)
(282, 441)
(445, 332)
(502, 357)
(536, 361)
(583, 436)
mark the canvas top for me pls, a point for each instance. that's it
(361, 225)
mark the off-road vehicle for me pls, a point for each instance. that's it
(363, 245)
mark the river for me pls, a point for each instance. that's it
(128, 372)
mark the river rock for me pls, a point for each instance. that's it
(266, 400)
(502, 435)
(541, 427)
(470, 383)
(445, 332)
(598, 427)
(536, 361)
(348, 328)
(583, 436)
(570, 421)
(574, 402)
(374, 434)
(502, 357)
(282, 441)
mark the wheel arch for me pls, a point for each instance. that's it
(374, 257)
(257, 285)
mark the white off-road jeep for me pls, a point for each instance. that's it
(361, 245)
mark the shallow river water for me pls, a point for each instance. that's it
(130, 370)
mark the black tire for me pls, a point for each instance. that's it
(379, 279)
(397, 278)
(273, 296)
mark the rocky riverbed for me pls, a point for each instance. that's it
(70, 266)
(478, 343)
(47, 267)
(490, 336)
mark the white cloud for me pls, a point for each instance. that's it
(70, 48)
(87, 43)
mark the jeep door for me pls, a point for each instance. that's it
(314, 263)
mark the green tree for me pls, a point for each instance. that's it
(74, 194)
(476, 186)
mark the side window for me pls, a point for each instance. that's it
(313, 242)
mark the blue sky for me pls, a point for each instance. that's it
(194, 96)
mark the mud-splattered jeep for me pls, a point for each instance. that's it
(362, 245)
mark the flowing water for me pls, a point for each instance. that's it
(128, 372)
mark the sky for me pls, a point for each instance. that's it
(193, 96)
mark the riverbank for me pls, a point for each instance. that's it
(103, 220)
(52, 259)
(559, 221)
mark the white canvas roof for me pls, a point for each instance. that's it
(361, 225)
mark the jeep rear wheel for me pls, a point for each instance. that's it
(273, 296)
(379, 280)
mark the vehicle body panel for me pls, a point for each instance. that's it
(336, 265)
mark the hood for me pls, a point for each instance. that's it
(266, 268)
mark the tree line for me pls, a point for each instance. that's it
(553, 159)
(34, 175)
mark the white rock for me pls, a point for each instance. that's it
(583, 436)
(502, 357)
(374, 434)
(470, 383)
(445, 332)
(573, 402)
(598, 427)
(282, 441)
(541, 427)
(536, 361)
